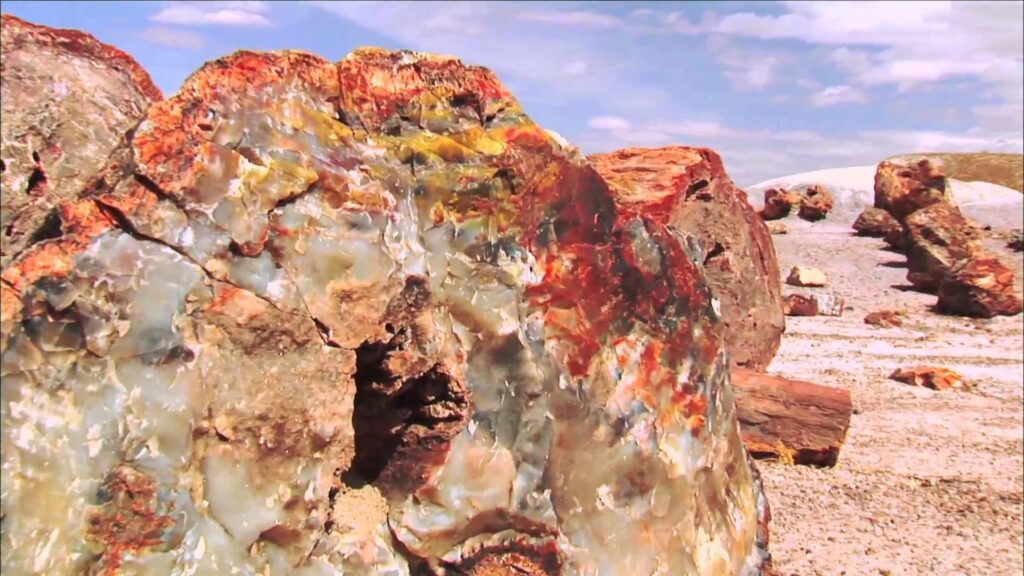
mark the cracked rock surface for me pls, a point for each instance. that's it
(67, 101)
(364, 318)
(688, 189)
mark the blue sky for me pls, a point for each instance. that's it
(776, 88)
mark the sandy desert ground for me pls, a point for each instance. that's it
(928, 482)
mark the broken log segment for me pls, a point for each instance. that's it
(791, 420)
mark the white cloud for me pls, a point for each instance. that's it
(574, 67)
(744, 68)
(833, 95)
(904, 43)
(573, 18)
(608, 123)
(214, 14)
(172, 37)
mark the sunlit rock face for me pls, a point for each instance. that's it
(364, 318)
(67, 101)
(688, 189)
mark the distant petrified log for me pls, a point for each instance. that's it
(778, 203)
(815, 203)
(791, 420)
(876, 222)
(901, 190)
(688, 189)
(67, 101)
(982, 287)
(939, 238)
(885, 318)
(813, 305)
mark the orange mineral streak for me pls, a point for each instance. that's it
(81, 222)
(129, 521)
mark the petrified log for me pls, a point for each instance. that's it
(982, 287)
(688, 189)
(364, 317)
(791, 420)
(67, 101)
(902, 190)
(778, 203)
(876, 222)
(815, 203)
(940, 238)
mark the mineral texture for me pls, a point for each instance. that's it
(981, 287)
(688, 189)
(67, 101)
(939, 238)
(363, 318)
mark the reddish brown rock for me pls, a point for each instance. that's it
(876, 222)
(67, 101)
(688, 189)
(982, 287)
(929, 377)
(813, 305)
(885, 318)
(901, 190)
(777, 228)
(815, 203)
(939, 238)
(363, 317)
(799, 305)
(778, 203)
(790, 420)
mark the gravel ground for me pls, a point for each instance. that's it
(927, 482)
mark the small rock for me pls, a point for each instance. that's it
(929, 377)
(804, 276)
(885, 318)
(778, 203)
(815, 203)
(876, 222)
(777, 228)
(981, 287)
(799, 305)
(813, 305)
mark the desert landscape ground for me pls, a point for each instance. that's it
(928, 482)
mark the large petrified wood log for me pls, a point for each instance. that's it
(363, 317)
(791, 420)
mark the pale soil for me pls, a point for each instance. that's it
(927, 482)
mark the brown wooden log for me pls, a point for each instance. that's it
(790, 420)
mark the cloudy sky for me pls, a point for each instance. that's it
(776, 88)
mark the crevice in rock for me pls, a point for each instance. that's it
(397, 421)
(716, 250)
(49, 229)
(36, 180)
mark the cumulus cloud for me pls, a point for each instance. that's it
(608, 123)
(172, 37)
(244, 13)
(834, 95)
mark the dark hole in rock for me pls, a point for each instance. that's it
(49, 229)
(717, 250)
(399, 424)
(35, 180)
(3, 166)
(696, 187)
(35, 157)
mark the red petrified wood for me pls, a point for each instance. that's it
(791, 420)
